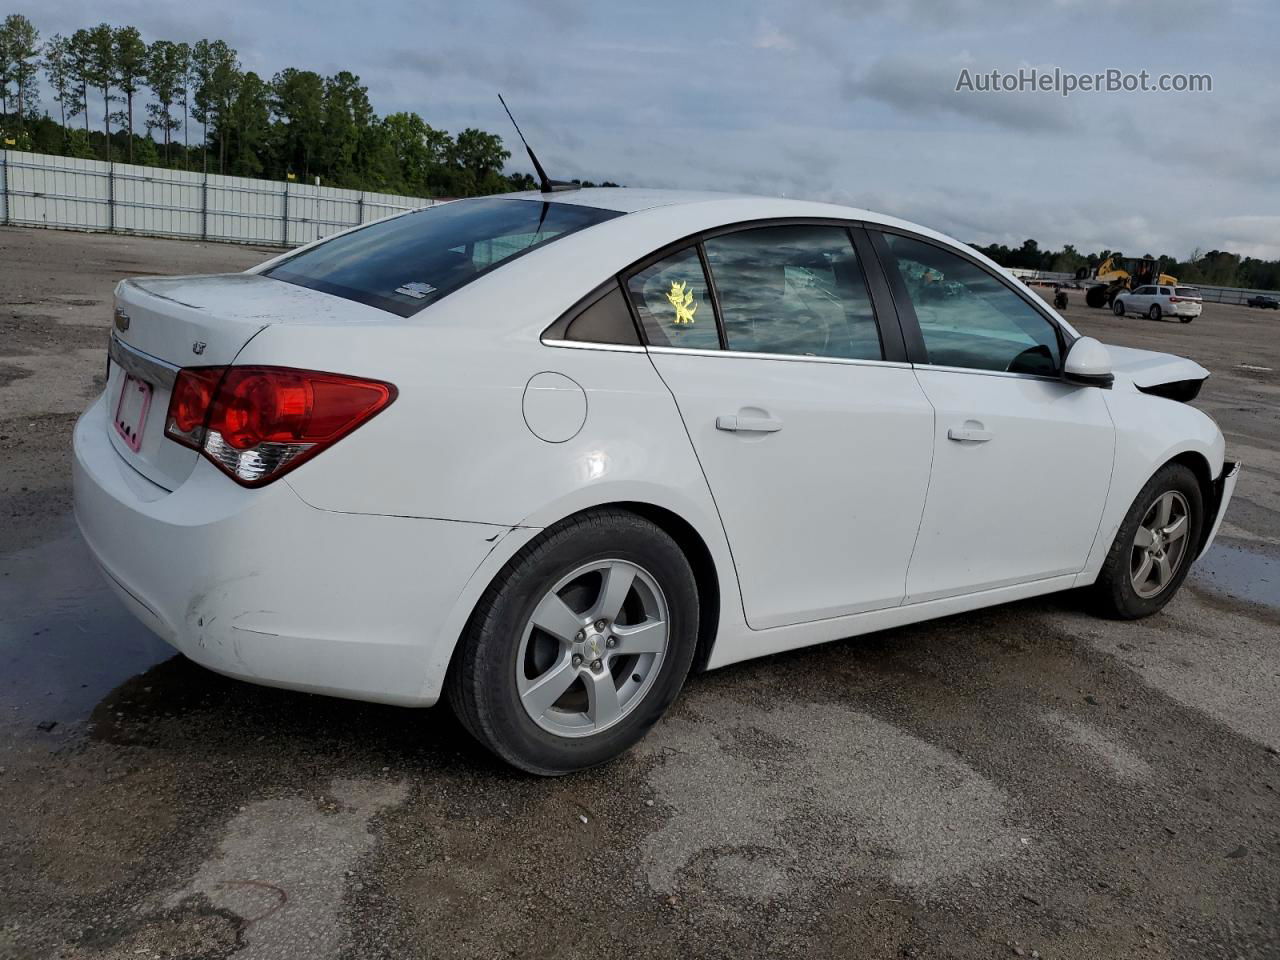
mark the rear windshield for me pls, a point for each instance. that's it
(411, 261)
(1188, 291)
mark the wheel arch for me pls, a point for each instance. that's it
(1210, 492)
(700, 559)
(707, 573)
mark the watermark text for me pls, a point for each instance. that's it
(1067, 83)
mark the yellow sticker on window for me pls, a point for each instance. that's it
(681, 297)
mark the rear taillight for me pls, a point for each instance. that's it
(258, 423)
(1175, 299)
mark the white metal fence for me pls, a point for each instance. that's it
(45, 191)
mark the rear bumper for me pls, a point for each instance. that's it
(261, 586)
(1223, 488)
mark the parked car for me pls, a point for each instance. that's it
(1156, 302)
(545, 454)
(1264, 301)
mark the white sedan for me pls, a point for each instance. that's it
(545, 454)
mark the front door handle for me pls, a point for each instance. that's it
(971, 432)
(735, 424)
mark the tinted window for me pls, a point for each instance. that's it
(607, 320)
(968, 317)
(795, 290)
(1144, 291)
(1187, 291)
(1166, 291)
(409, 262)
(675, 309)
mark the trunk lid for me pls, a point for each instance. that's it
(163, 324)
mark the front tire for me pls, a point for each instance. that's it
(1117, 307)
(579, 645)
(1154, 547)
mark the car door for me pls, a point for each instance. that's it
(813, 433)
(1140, 300)
(1022, 459)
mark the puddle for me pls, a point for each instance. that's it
(1239, 573)
(65, 640)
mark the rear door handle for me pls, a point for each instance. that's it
(971, 434)
(735, 424)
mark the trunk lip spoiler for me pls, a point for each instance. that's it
(140, 364)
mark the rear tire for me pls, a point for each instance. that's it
(1186, 319)
(1154, 313)
(1117, 307)
(508, 666)
(1151, 553)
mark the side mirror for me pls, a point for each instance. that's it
(1088, 363)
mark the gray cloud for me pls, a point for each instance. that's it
(927, 87)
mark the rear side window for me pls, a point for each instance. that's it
(1166, 292)
(795, 290)
(605, 318)
(407, 263)
(673, 303)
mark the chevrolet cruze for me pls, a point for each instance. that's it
(545, 454)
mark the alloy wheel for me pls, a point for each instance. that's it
(592, 648)
(1159, 544)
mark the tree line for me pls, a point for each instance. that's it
(137, 102)
(1217, 268)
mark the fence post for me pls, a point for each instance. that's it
(204, 208)
(360, 209)
(111, 195)
(4, 182)
(284, 219)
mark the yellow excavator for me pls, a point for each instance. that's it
(1122, 273)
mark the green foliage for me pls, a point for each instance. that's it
(1216, 268)
(130, 67)
(298, 123)
(19, 47)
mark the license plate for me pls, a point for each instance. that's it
(131, 410)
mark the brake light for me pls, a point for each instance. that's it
(258, 423)
(1175, 299)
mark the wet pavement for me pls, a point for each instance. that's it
(65, 640)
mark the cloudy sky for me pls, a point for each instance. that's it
(846, 101)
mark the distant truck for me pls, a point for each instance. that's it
(1264, 301)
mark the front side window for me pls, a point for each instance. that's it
(673, 303)
(793, 290)
(409, 262)
(968, 317)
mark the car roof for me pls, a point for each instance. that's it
(735, 205)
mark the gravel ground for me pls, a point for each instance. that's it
(1021, 781)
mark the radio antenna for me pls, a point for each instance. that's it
(545, 183)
